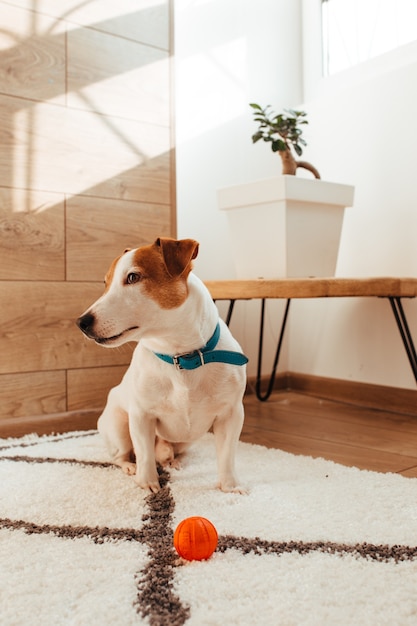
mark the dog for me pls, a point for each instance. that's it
(187, 374)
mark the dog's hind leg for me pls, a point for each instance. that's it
(164, 452)
(113, 425)
(167, 453)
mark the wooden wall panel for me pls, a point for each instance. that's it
(36, 393)
(90, 387)
(31, 235)
(32, 55)
(86, 169)
(38, 330)
(93, 242)
(118, 77)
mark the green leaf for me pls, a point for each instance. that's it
(298, 149)
(257, 136)
(255, 106)
(278, 146)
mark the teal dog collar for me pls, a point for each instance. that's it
(207, 354)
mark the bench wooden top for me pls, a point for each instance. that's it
(312, 288)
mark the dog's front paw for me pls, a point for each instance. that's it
(151, 485)
(232, 488)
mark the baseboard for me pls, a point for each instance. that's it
(379, 397)
(392, 399)
(48, 424)
(282, 381)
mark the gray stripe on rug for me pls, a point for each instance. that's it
(381, 553)
(156, 599)
(48, 459)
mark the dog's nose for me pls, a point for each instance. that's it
(86, 322)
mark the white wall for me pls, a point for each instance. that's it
(361, 131)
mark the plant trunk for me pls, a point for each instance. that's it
(290, 165)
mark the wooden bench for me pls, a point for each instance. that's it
(393, 289)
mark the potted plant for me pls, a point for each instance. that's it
(283, 132)
(286, 225)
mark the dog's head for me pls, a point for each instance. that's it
(140, 285)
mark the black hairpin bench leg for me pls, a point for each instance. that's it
(230, 312)
(404, 329)
(264, 396)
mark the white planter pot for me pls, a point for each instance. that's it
(285, 226)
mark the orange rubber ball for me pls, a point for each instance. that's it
(195, 538)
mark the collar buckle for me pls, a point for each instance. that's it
(176, 359)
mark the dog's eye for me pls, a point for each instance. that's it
(133, 277)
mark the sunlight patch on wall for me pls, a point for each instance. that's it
(211, 86)
(72, 151)
(139, 20)
(141, 93)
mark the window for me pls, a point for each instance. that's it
(357, 30)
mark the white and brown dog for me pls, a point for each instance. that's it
(187, 372)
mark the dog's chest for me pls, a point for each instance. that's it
(184, 406)
(183, 413)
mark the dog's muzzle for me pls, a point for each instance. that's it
(86, 324)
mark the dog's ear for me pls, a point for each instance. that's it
(177, 254)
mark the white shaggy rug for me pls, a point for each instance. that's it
(312, 543)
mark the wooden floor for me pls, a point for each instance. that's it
(351, 435)
(296, 422)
